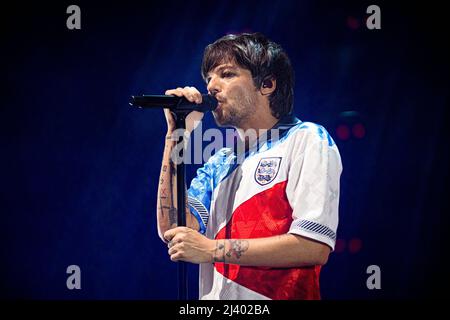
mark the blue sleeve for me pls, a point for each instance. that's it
(202, 187)
(199, 196)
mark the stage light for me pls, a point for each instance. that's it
(343, 132)
(350, 124)
(339, 246)
(352, 23)
(354, 245)
(358, 130)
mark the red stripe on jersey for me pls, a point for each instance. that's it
(266, 214)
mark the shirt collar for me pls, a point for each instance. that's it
(287, 120)
(283, 125)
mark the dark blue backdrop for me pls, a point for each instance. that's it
(80, 167)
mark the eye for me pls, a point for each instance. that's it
(228, 74)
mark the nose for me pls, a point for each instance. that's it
(213, 86)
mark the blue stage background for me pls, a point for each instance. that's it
(80, 166)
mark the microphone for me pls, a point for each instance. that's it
(174, 103)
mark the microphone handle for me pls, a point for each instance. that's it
(159, 101)
(174, 103)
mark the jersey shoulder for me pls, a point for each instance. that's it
(311, 132)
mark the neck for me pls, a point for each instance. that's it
(254, 127)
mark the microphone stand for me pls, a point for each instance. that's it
(180, 123)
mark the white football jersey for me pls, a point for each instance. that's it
(284, 185)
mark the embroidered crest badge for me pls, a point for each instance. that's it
(267, 170)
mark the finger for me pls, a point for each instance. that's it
(188, 93)
(170, 234)
(176, 256)
(176, 92)
(197, 95)
(193, 95)
(173, 242)
(181, 92)
(172, 251)
(179, 247)
(177, 238)
(181, 229)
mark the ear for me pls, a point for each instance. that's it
(268, 86)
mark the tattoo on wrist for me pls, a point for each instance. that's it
(219, 252)
(237, 248)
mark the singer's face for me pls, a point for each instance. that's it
(237, 95)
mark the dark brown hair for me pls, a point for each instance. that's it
(263, 58)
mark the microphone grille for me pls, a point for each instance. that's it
(209, 102)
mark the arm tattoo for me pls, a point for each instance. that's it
(237, 248)
(166, 195)
(173, 217)
(161, 207)
(219, 252)
(167, 192)
(173, 168)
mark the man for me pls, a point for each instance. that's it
(260, 224)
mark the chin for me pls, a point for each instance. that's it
(220, 120)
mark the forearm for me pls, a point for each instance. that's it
(286, 250)
(167, 214)
(167, 193)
